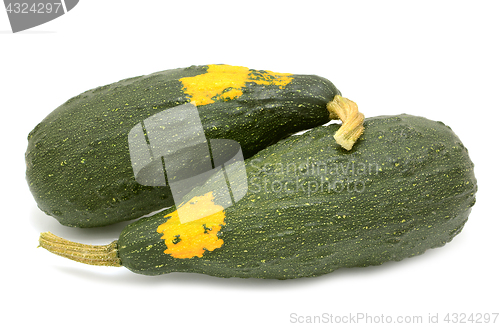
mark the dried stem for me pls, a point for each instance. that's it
(97, 255)
(352, 121)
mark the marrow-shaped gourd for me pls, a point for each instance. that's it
(311, 207)
(78, 162)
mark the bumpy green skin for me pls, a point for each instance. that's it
(407, 186)
(78, 164)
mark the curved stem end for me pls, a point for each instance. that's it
(352, 121)
(97, 255)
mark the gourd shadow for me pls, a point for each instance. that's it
(42, 222)
(122, 276)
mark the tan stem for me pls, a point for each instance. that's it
(97, 255)
(352, 121)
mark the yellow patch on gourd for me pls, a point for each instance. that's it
(225, 82)
(193, 238)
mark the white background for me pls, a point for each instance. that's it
(438, 59)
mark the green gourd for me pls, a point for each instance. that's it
(311, 207)
(78, 163)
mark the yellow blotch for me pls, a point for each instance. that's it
(225, 82)
(193, 238)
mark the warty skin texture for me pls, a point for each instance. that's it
(407, 186)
